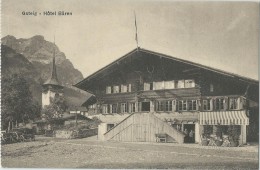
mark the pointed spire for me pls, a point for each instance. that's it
(53, 80)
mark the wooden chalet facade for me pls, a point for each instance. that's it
(145, 94)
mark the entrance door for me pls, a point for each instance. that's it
(146, 106)
(190, 137)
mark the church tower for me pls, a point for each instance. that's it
(51, 87)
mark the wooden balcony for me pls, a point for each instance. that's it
(151, 94)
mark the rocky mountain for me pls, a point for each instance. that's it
(13, 62)
(40, 53)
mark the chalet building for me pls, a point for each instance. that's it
(145, 95)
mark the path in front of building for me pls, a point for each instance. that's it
(90, 153)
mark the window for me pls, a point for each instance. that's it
(148, 86)
(206, 104)
(132, 107)
(123, 107)
(169, 84)
(189, 83)
(168, 106)
(164, 105)
(180, 84)
(123, 88)
(160, 105)
(113, 108)
(192, 105)
(158, 85)
(110, 126)
(219, 104)
(115, 89)
(108, 89)
(211, 88)
(182, 105)
(233, 103)
(105, 109)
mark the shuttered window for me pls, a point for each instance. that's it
(105, 109)
(132, 107)
(123, 107)
(233, 103)
(182, 105)
(160, 105)
(168, 105)
(113, 108)
(192, 105)
(206, 104)
(219, 104)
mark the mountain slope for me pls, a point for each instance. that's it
(40, 53)
(15, 63)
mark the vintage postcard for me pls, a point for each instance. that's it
(128, 84)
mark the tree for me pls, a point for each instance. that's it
(55, 110)
(17, 104)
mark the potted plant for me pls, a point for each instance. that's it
(233, 134)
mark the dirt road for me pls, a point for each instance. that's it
(85, 153)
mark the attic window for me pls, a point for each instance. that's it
(211, 88)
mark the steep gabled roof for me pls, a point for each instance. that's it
(241, 78)
(53, 79)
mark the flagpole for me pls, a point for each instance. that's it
(136, 35)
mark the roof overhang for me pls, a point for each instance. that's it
(87, 81)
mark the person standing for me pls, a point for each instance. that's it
(191, 136)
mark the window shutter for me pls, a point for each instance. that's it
(226, 103)
(111, 108)
(174, 105)
(129, 108)
(197, 104)
(126, 107)
(211, 104)
(129, 88)
(240, 103)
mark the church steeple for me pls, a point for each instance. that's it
(53, 80)
(52, 86)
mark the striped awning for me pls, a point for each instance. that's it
(224, 118)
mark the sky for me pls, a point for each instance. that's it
(222, 35)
